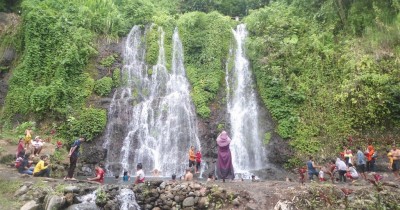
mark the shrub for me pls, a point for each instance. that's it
(103, 86)
(88, 122)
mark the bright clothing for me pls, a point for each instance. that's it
(100, 174)
(198, 156)
(39, 166)
(370, 152)
(224, 161)
(192, 156)
(390, 156)
(139, 176)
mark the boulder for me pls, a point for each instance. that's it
(53, 202)
(83, 206)
(188, 202)
(31, 205)
(24, 189)
(71, 189)
(203, 203)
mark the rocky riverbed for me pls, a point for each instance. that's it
(44, 193)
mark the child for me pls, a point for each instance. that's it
(126, 177)
(302, 172)
(321, 175)
(390, 156)
(139, 174)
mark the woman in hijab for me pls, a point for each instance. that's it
(224, 162)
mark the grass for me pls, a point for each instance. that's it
(7, 190)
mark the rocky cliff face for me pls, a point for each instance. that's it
(8, 54)
(208, 129)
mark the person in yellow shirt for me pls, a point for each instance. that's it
(192, 157)
(42, 167)
(390, 156)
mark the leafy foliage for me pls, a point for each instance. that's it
(103, 86)
(206, 38)
(89, 123)
(320, 89)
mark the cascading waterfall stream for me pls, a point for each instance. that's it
(161, 125)
(247, 149)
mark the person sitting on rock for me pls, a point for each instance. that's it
(24, 166)
(37, 145)
(42, 167)
(99, 175)
(210, 177)
(352, 173)
(188, 175)
(139, 174)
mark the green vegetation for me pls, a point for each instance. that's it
(206, 39)
(325, 70)
(89, 122)
(7, 190)
(103, 86)
(324, 76)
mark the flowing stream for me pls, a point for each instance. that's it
(248, 152)
(151, 118)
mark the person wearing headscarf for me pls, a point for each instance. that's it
(224, 161)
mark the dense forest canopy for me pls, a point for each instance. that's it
(325, 69)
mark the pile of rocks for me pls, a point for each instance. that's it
(53, 194)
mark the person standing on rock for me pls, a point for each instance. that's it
(361, 162)
(312, 168)
(28, 138)
(198, 161)
(224, 161)
(192, 157)
(73, 158)
(396, 161)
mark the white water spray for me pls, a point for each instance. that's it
(248, 152)
(159, 118)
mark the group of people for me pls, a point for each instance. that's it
(26, 144)
(224, 162)
(345, 165)
(26, 165)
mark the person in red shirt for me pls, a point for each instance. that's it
(21, 148)
(198, 161)
(99, 175)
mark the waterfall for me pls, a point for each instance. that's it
(248, 152)
(128, 200)
(152, 114)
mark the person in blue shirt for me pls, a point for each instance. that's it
(73, 158)
(312, 168)
(361, 162)
(126, 177)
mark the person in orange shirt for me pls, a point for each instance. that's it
(370, 159)
(192, 157)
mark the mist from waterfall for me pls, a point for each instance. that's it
(248, 152)
(153, 111)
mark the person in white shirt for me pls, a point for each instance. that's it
(37, 145)
(139, 174)
(342, 169)
(352, 173)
